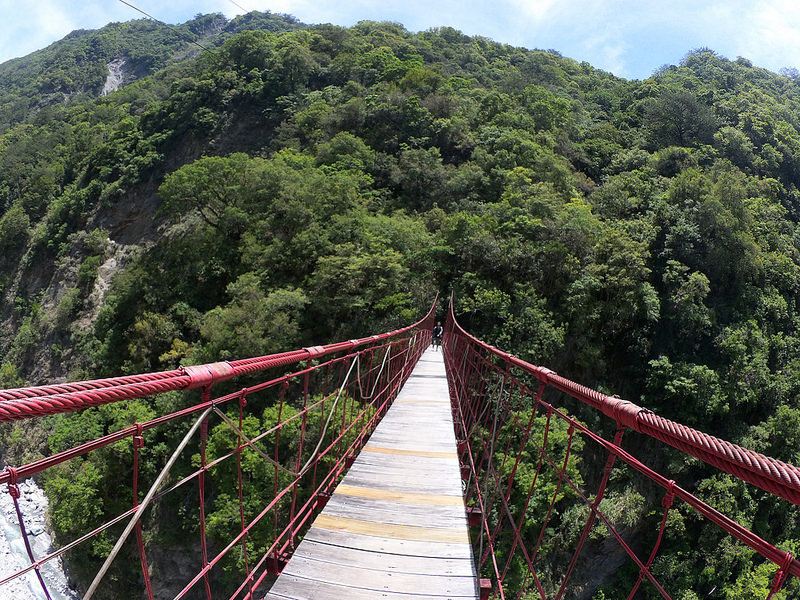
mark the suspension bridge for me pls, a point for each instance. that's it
(378, 468)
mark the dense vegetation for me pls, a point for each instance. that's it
(74, 69)
(291, 187)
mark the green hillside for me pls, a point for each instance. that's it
(74, 69)
(287, 188)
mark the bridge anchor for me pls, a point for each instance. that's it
(474, 516)
(321, 500)
(485, 588)
(276, 561)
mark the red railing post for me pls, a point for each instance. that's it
(201, 481)
(138, 443)
(240, 490)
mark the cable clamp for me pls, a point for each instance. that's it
(13, 476)
(314, 351)
(202, 376)
(783, 573)
(669, 497)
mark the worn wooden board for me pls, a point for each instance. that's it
(396, 527)
(428, 420)
(420, 465)
(297, 588)
(395, 546)
(430, 459)
(400, 483)
(436, 440)
(375, 449)
(405, 461)
(380, 580)
(401, 497)
(387, 512)
(385, 561)
(431, 436)
(423, 434)
(447, 481)
(419, 533)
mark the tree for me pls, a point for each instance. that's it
(213, 187)
(678, 118)
(253, 323)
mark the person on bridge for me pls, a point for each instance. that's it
(436, 338)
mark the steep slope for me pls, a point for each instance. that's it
(77, 67)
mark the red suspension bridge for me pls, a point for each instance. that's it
(358, 469)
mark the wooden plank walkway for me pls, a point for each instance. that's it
(395, 527)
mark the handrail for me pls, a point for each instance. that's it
(776, 477)
(772, 475)
(23, 403)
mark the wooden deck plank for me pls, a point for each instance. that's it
(384, 561)
(422, 533)
(405, 426)
(431, 436)
(389, 513)
(385, 545)
(420, 465)
(290, 587)
(380, 580)
(396, 526)
(415, 453)
(429, 418)
(421, 411)
(440, 445)
(447, 480)
(402, 497)
(380, 462)
(401, 482)
(409, 483)
(402, 435)
(404, 464)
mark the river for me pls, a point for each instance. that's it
(13, 555)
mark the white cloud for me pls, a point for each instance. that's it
(773, 37)
(533, 12)
(608, 50)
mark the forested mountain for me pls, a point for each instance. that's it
(299, 184)
(75, 69)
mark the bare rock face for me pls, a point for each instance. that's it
(116, 76)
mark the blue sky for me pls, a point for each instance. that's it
(630, 38)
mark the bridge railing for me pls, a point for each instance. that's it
(253, 462)
(543, 485)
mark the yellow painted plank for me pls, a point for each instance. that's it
(420, 401)
(422, 453)
(406, 497)
(385, 530)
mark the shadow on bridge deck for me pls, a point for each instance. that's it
(395, 527)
